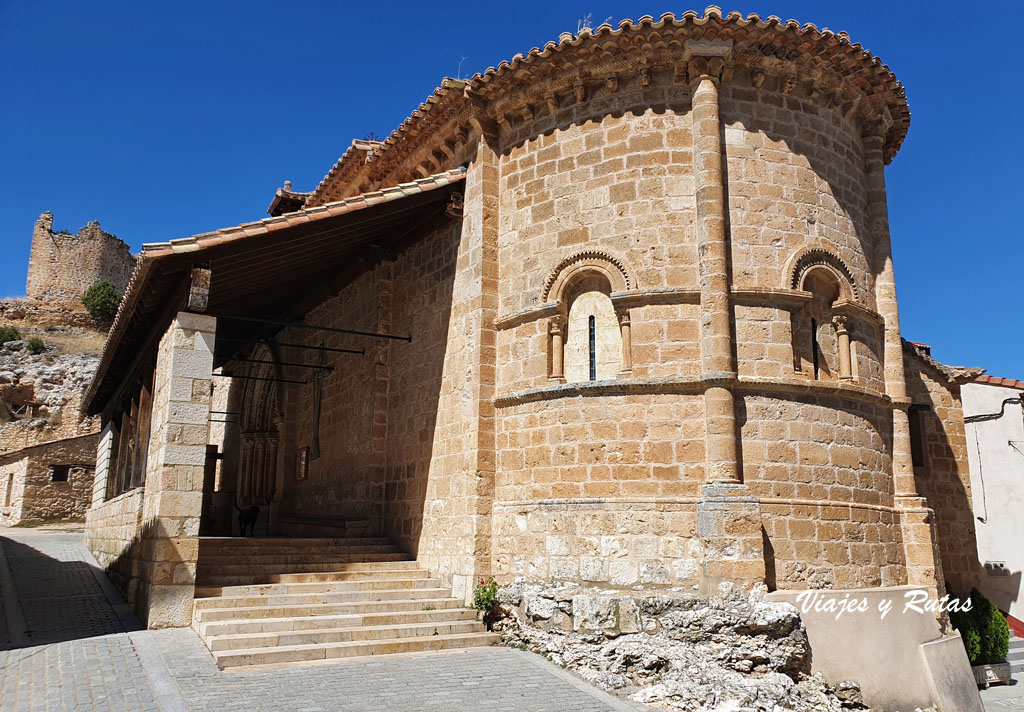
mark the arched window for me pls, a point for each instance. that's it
(593, 342)
(589, 338)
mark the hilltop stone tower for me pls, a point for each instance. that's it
(62, 265)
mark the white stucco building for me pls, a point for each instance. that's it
(994, 424)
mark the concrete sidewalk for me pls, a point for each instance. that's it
(76, 646)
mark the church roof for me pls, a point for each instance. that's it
(259, 267)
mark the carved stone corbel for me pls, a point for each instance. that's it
(580, 90)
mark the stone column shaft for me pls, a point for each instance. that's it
(627, 342)
(715, 316)
(843, 336)
(885, 296)
(557, 348)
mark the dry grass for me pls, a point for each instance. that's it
(84, 342)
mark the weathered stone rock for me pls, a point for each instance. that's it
(702, 654)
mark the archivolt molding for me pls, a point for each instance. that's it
(809, 258)
(605, 263)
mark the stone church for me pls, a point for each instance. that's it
(619, 311)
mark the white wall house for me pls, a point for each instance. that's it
(994, 424)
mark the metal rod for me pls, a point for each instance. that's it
(361, 352)
(313, 327)
(225, 412)
(261, 378)
(284, 363)
(215, 420)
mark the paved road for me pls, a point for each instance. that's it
(77, 647)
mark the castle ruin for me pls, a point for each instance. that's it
(63, 265)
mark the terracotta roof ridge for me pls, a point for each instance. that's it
(997, 381)
(874, 79)
(952, 374)
(187, 244)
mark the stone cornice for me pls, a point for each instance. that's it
(694, 386)
(767, 53)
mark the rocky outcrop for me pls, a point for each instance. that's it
(676, 650)
(40, 395)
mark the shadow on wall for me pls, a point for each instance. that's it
(59, 600)
(424, 287)
(939, 452)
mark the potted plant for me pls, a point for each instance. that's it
(986, 637)
(485, 600)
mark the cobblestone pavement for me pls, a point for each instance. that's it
(77, 647)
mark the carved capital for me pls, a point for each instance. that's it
(841, 324)
(556, 325)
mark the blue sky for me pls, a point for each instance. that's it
(162, 120)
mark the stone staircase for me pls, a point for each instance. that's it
(273, 601)
(1015, 656)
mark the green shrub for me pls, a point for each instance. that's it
(8, 333)
(984, 630)
(101, 300)
(992, 629)
(485, 595)
(35, 346)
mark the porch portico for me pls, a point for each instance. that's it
(271, 369)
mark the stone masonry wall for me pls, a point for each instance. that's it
(34, 496)
(820, 468)
(113, 533)
(579, 478)
(423, 279)
(62, 265)
(340, 482)
(944, 479)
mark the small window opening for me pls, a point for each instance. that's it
(815, 348)
(593, 347)
(59, 473)
(917, 446)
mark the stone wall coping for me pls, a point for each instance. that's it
(693, 386)
(674, 503)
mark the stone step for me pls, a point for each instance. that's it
(293, 541)
(257, 555)
(336, 563)
(302, 653)
(208, 579)
(414, 581)
(272, 632)
(205, 615)
(298, 599)
(1016, 668)
(1015, 655)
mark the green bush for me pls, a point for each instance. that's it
(984, 630)
(9, 333)
(101, 300)
(35, 346)
(992, 628)
(485, 595)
